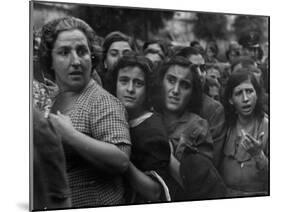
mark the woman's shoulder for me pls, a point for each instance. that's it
(154, 124)
(196, 125)
(151, 130)
(100, 98)
(195, 120)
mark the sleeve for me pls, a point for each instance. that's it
(165, 193)
(108, 123)
(262, 159)
(198, 138)
(154, 153)
(151, 150)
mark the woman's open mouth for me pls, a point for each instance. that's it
(247, 108)
(173, 100)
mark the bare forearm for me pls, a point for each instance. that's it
(143, 184)
(104, 155)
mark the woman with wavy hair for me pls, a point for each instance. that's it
(179, 103)
(132, 78)
(245, 156)
(90, 121)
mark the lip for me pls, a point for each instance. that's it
(247, 108)
(173, 99)
(129, 98)
(76, 73)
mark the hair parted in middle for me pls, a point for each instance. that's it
(234, 80)
(195, 103)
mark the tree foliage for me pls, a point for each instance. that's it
(135, 22)
(244, 24)
(210, 26)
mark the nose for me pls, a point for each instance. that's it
(75, 59)
(176, 89)
(245, 97)
(130, 87)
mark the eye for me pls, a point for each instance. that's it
(139, 83)
(249, 91)
(238, 93)
(113, 53)
(171, 79)
(123, 80)
(185, 85)
(126, 51)
(63, 51)
(82, 50)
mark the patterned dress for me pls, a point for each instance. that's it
(99, 115)
(41, 98)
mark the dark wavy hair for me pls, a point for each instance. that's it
(234, 80)
(162, 44)
(133, 59)
(49, 34)
(115, 37)
(195, 103)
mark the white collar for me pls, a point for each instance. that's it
(137, 121)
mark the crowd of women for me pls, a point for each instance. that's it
(118, 124)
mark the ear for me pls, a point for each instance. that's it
(104, 64)
(230, 101)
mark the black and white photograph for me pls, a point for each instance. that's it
(137, 105)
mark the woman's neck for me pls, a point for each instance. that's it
(245, 121)
(74, 90)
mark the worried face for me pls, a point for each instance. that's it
(244, 98)
(130, 89)
(177, 88)
(71, 60)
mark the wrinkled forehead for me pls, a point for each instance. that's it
(180, 72)
(71, 37)
(197, 59)
(247, 84)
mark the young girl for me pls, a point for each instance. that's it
(192, 146)
(245, 163)
(150, 148)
